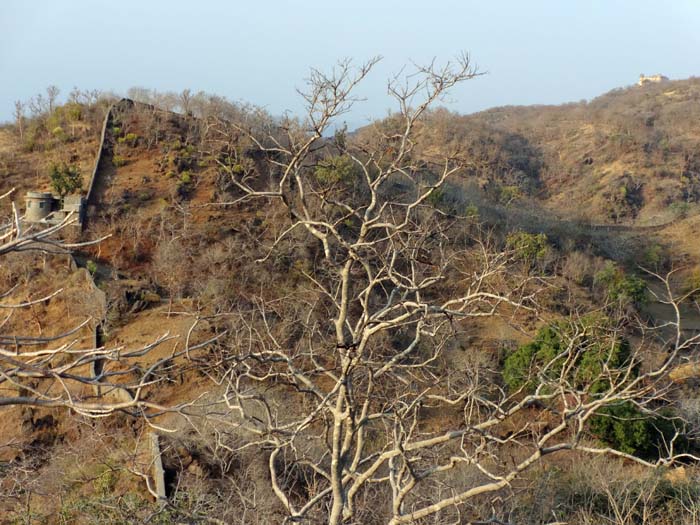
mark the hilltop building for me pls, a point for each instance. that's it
(654, 79)
(46, 207)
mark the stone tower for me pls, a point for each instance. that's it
(39, 205)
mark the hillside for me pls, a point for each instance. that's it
(627, 156)
(458, 298)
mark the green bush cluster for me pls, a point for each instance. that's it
(592, 357)
(508, 194)
(531, 248)
(130, 138)
(118, 161)
(619, 287)
(543, 358)
(65, 178)
(73, 111)
(179, 157)
(49, 130)
(471, 211)
(60, 118)
(629, 430)
(337, 169)
(30, 141)
(654, 256)
(185, 182)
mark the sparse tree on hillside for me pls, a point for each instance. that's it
(52, 93)
(19, 118)
(87, 97)
(140, 94)
(349, 390)
(185, 100)
(166, 100)
(37, 105)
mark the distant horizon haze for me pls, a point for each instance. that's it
(540, 52)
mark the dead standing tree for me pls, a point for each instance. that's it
(383, 260)
(342, 405)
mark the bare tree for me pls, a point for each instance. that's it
(52, 93)
(19, 117)
(349, 390)
(185, 98)
(37, 105)
(140, 94)
(86, 97)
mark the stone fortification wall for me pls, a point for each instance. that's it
(101, 149)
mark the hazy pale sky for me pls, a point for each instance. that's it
(535, 52)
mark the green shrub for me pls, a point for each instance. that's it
(91, 267)
(30, 143)
(73, 111)
(339, 168)
(436, 198)
(592, 361)
(185, 183)
(182, 161)
(627, 429)
(547, 353)
(65, 178)
(619, 287)
(507, 194)
(129, 138)
(654, 256)
(105, 482)
(55, 120)
(59, 134)
(531, 248)
(472, 212)
(33, 134)
(118, 161)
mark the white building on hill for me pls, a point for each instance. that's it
(652, 79)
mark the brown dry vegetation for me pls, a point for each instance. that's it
(178, 252)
